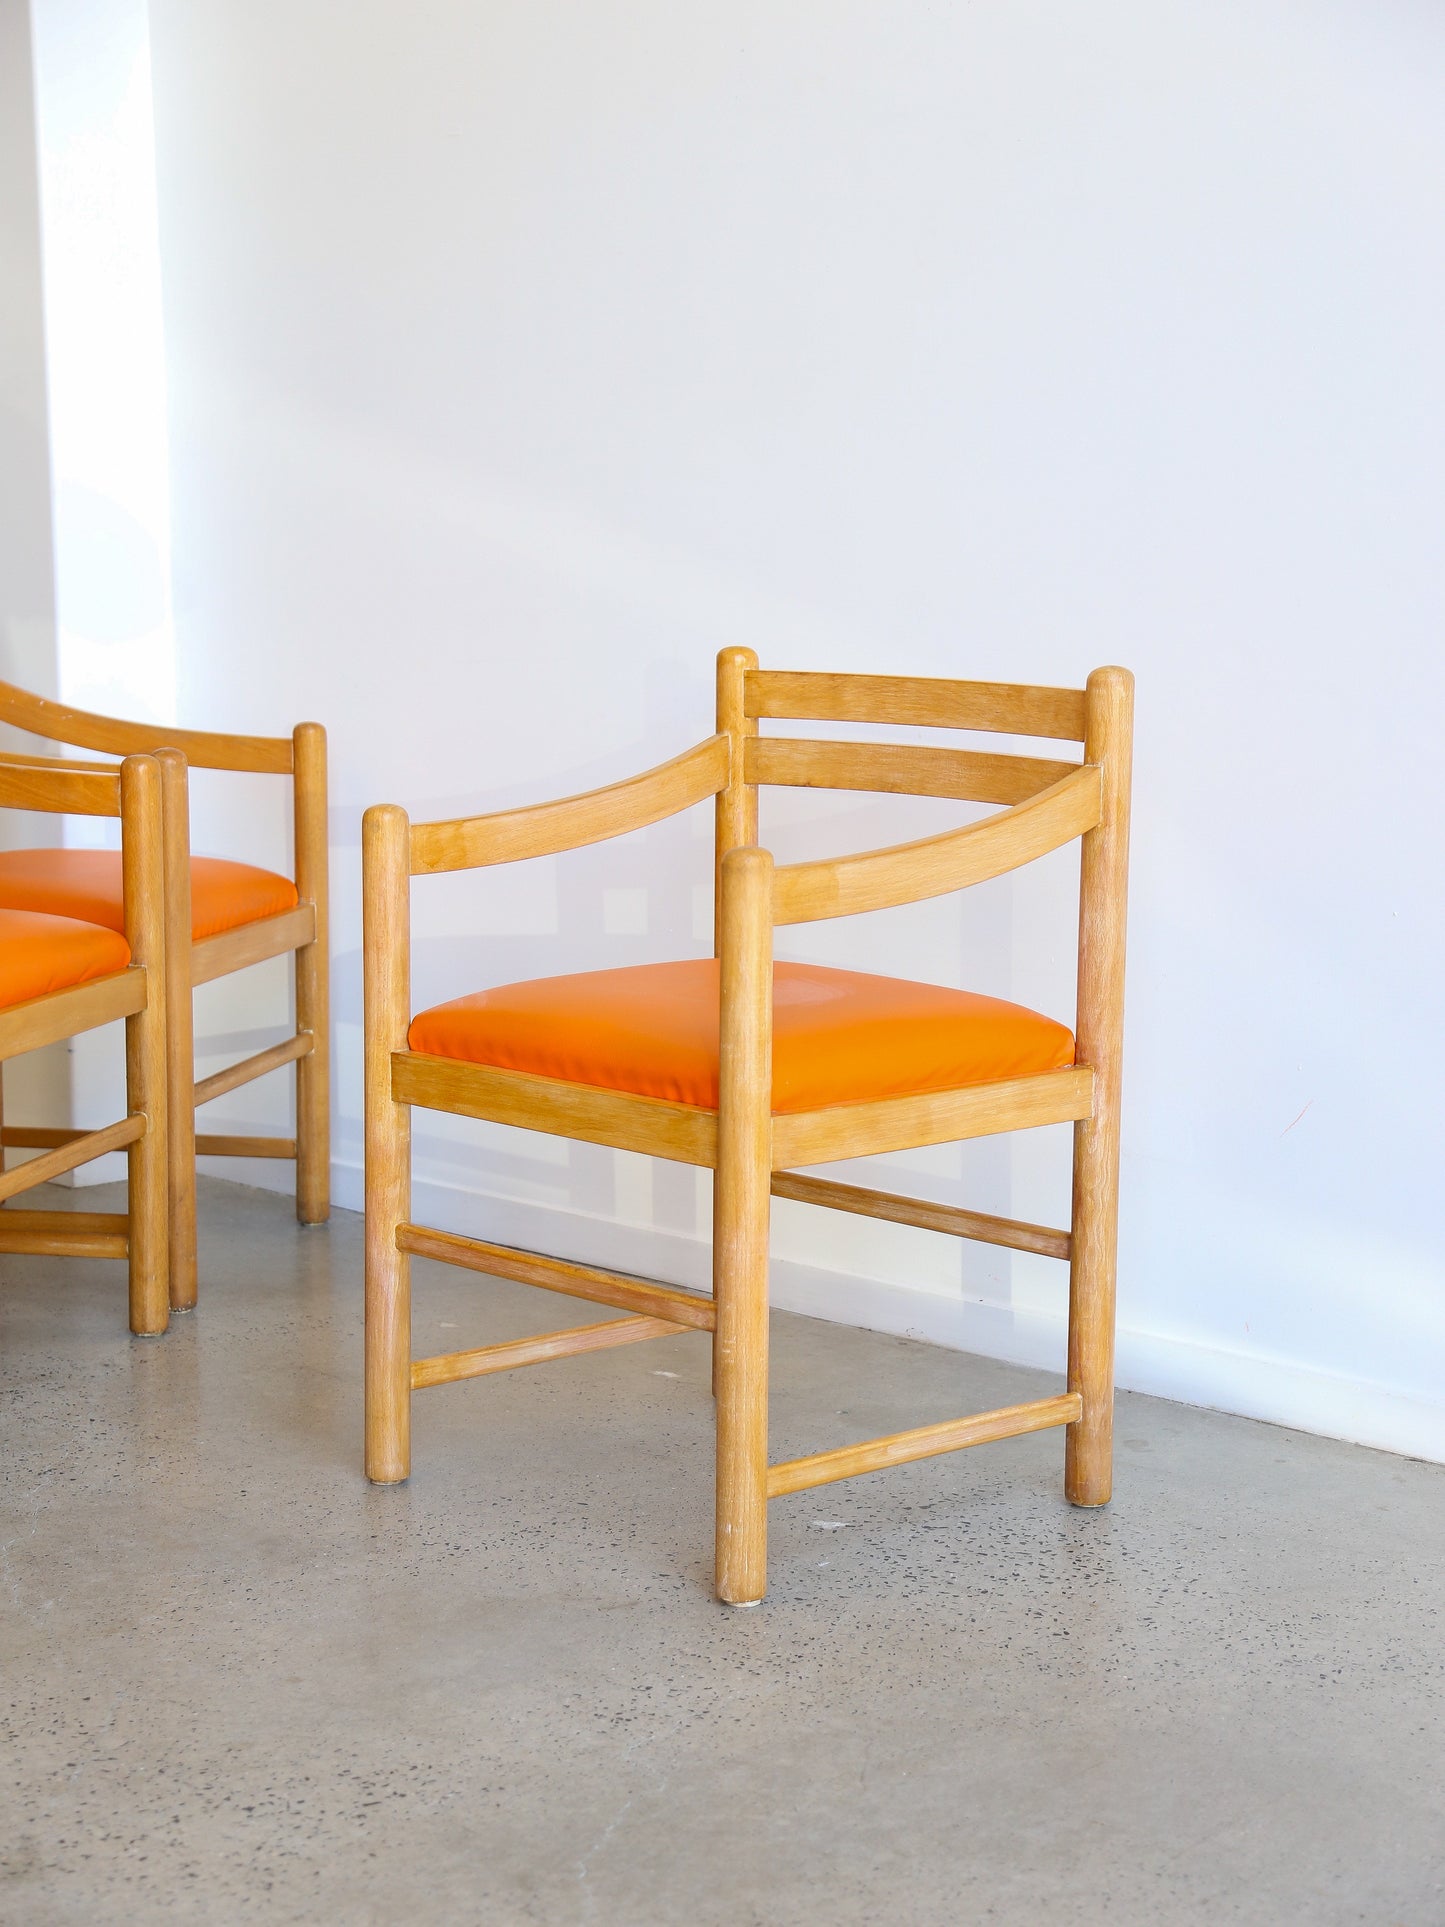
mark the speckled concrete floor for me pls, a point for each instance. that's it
(240, 1685)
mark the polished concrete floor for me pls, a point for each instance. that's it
(238, 1684)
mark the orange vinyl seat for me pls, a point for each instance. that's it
(87, 884)
(40, 954)
(839, 1036)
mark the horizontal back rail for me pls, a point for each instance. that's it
(927, 702)
(909, 872)
(202, 748)
(899, 769)
(543, 829)
(59, 790)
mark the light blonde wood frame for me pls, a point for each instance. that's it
(302, 931)
(753, 1153)
(131, 792)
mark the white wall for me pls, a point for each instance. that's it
(95, 520)
(27, 592)
(520, 356)
(36, 1086)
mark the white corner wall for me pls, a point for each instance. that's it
(36, 1086)
(91, 190)
(520, 356)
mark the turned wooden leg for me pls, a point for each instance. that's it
(1089, 1446)
(740, 1244)
(313, 969)
(180, 1031)
(385, 944)
(146, 1047)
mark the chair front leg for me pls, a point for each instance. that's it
(147, 1045)
(386, 915)
(1089, 1444)
(388, 1294)
(740, 1228)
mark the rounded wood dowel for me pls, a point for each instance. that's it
(449, 1367)
(313, 985)
(736, 809)
(75, 1149)
(180, 1029)
(737, 803)
(386, 971)
(250, 1068)
(1099, 1028)
(146, 1044)
(740, 1226)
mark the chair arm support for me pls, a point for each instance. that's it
(114, 736)
(909, 872)
(543, 829)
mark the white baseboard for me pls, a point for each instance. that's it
(1279, 1391)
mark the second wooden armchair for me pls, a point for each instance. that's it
(755, 1069)
(220, 916)
(61, 977)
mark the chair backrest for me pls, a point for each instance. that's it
(130, 791)
(301, 756)
(1048, 801)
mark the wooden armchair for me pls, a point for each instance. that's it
(221, 917)
(755, 1070)
(60, 976)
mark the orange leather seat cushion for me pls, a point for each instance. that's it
(86, 883)
(838, 1036)
(39, 954)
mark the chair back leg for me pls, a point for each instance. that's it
(1099, 1026)
(740, 1227)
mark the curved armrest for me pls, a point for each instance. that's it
(202, 748)
(542, 829)
(909, 872)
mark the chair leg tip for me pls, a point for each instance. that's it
(1089, 1497)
